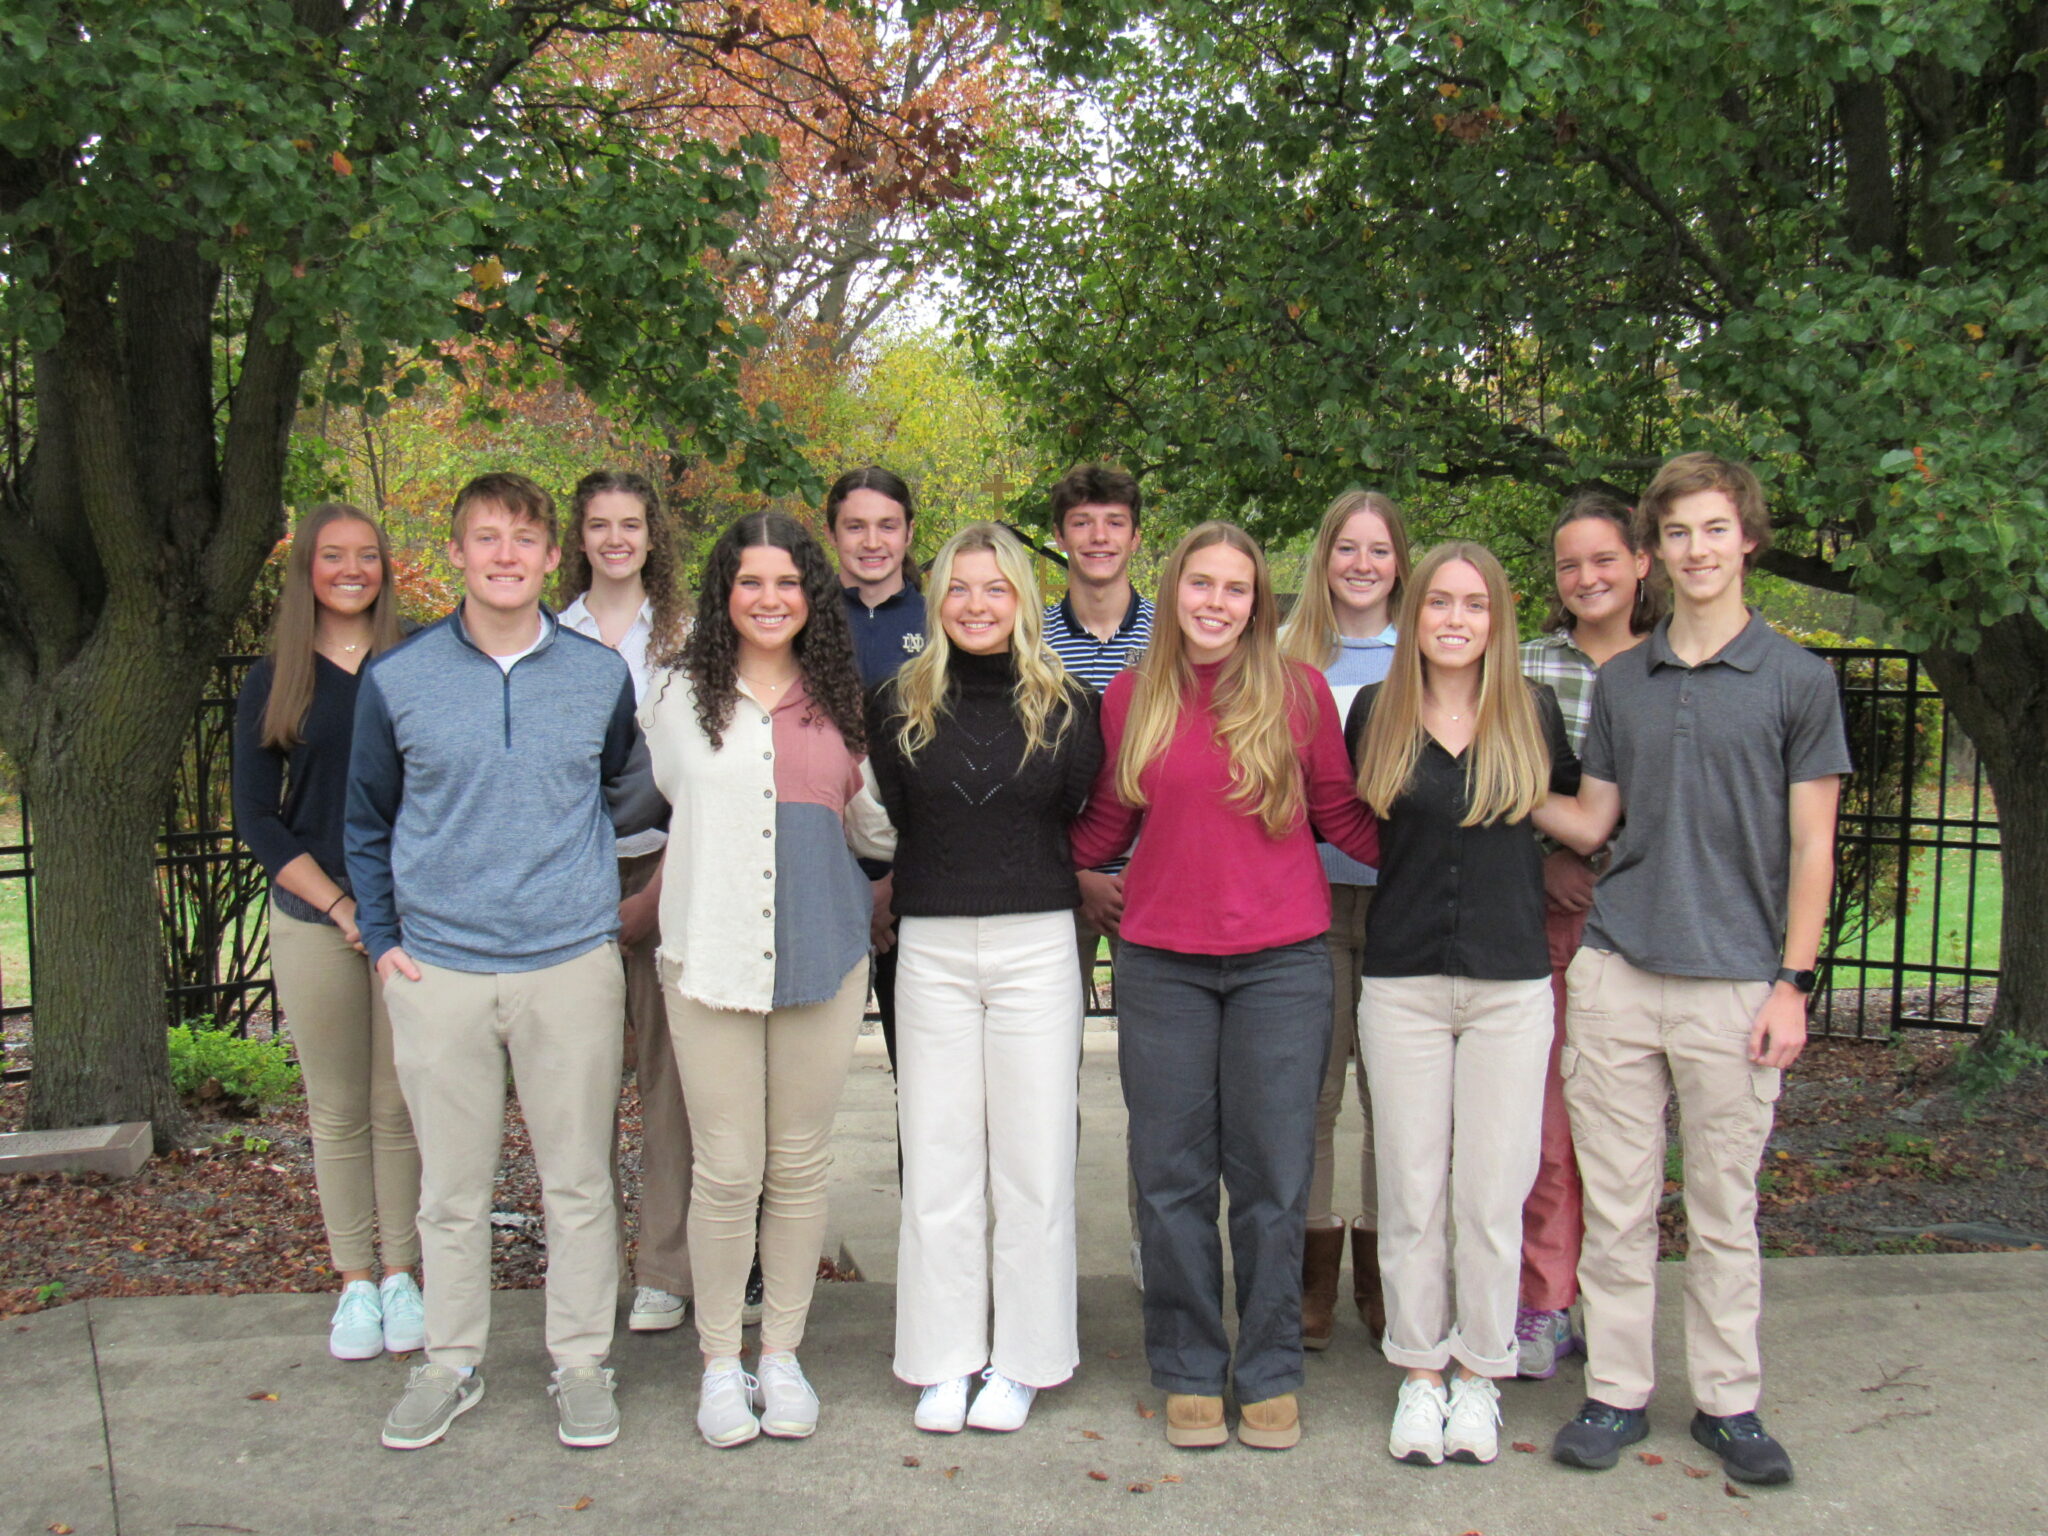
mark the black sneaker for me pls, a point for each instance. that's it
(1747, 1451)
(1594, 1439)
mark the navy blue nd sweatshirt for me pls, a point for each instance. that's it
(482, 804)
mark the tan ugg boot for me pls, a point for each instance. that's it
(1272, 1425)
(1322, 1256)
(1194, 1421)
(1365, 1280)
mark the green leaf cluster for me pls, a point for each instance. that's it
(1281, 248)
(404, 188)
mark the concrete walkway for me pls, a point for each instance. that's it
(225, 1414)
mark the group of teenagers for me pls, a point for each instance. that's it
(1532, 889)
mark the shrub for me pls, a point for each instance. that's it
(212, 1067)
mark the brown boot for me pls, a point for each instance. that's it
(1365, 1280)
(1322, 1255)
(1273, 1425)
(1194, 1421)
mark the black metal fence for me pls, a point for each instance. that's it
(1912, 938)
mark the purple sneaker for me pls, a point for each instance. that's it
(1541, 1340)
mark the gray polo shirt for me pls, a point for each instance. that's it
(1705, 758)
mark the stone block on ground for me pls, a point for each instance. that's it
(120, 1150)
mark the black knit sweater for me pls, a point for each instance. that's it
(979, 833)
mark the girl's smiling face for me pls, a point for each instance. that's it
(1213, 600)
(1456, 616)
(1362, 567)
(979, 608)
(767, 606)
(347, 570)
(615, 534)
(1597, 573)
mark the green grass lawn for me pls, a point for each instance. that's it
(14, 986)
(1958, 939)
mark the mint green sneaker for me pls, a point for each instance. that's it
(405, 1314)
(356, 1331)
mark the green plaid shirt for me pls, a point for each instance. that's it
(1557, 660)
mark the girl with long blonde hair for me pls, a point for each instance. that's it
(1455, 753)
(1227, 758)
(984, 750)
(1342, 625)
(294, 726)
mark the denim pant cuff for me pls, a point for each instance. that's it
(1167, 1382)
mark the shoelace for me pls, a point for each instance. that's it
(789, 1370)
(1605, 1415)
(1743, 1426)
(1531, 1324)
(1469, 1390)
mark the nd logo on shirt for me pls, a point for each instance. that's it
(913, 643)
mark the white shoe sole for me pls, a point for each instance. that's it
(787, 1429)
(1415, 1455)
(357, 1351)
(587, 1442)
(737, 1438)
(656, 1322)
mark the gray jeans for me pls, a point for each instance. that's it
(1221, 1057)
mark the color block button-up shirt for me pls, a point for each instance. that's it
(762, 903)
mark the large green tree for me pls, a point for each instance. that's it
(1286, 246)
(198, 203)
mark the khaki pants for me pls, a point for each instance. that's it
(1633, 1038)
(453, 1033)
(366, 1164)
(1456, 1066)
(762, 1090)
(662, 1257)
(1349, 905)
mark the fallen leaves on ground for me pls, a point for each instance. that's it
(1649, 1458)
(1692, 1471)
(913, 1461)
(1732, 1491)
(581, 1504)
(262, 1397)
(1089, 1434)
(1146, 1413)
(1097, 1477)
(1139, 1488)
(1526, 1447)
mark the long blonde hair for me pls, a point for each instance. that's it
(1310, 633)
(1044, 695)
(1254, 701)
(295, 624)
(1507, 767)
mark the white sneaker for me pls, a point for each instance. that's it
(1472, 1428)
(656, 1310)
(942, 1407)
(787, 1403)
(1002, 1404)
(1419, 1414)
(356, 1331)
(405, 1314)
(725, 1413)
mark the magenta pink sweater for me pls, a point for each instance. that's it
(1205, 879)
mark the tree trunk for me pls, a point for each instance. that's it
(1999, 694)
(96, 796)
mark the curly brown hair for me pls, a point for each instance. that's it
(709, 654)
(661, 575)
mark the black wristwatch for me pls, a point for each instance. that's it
(1803, 980)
